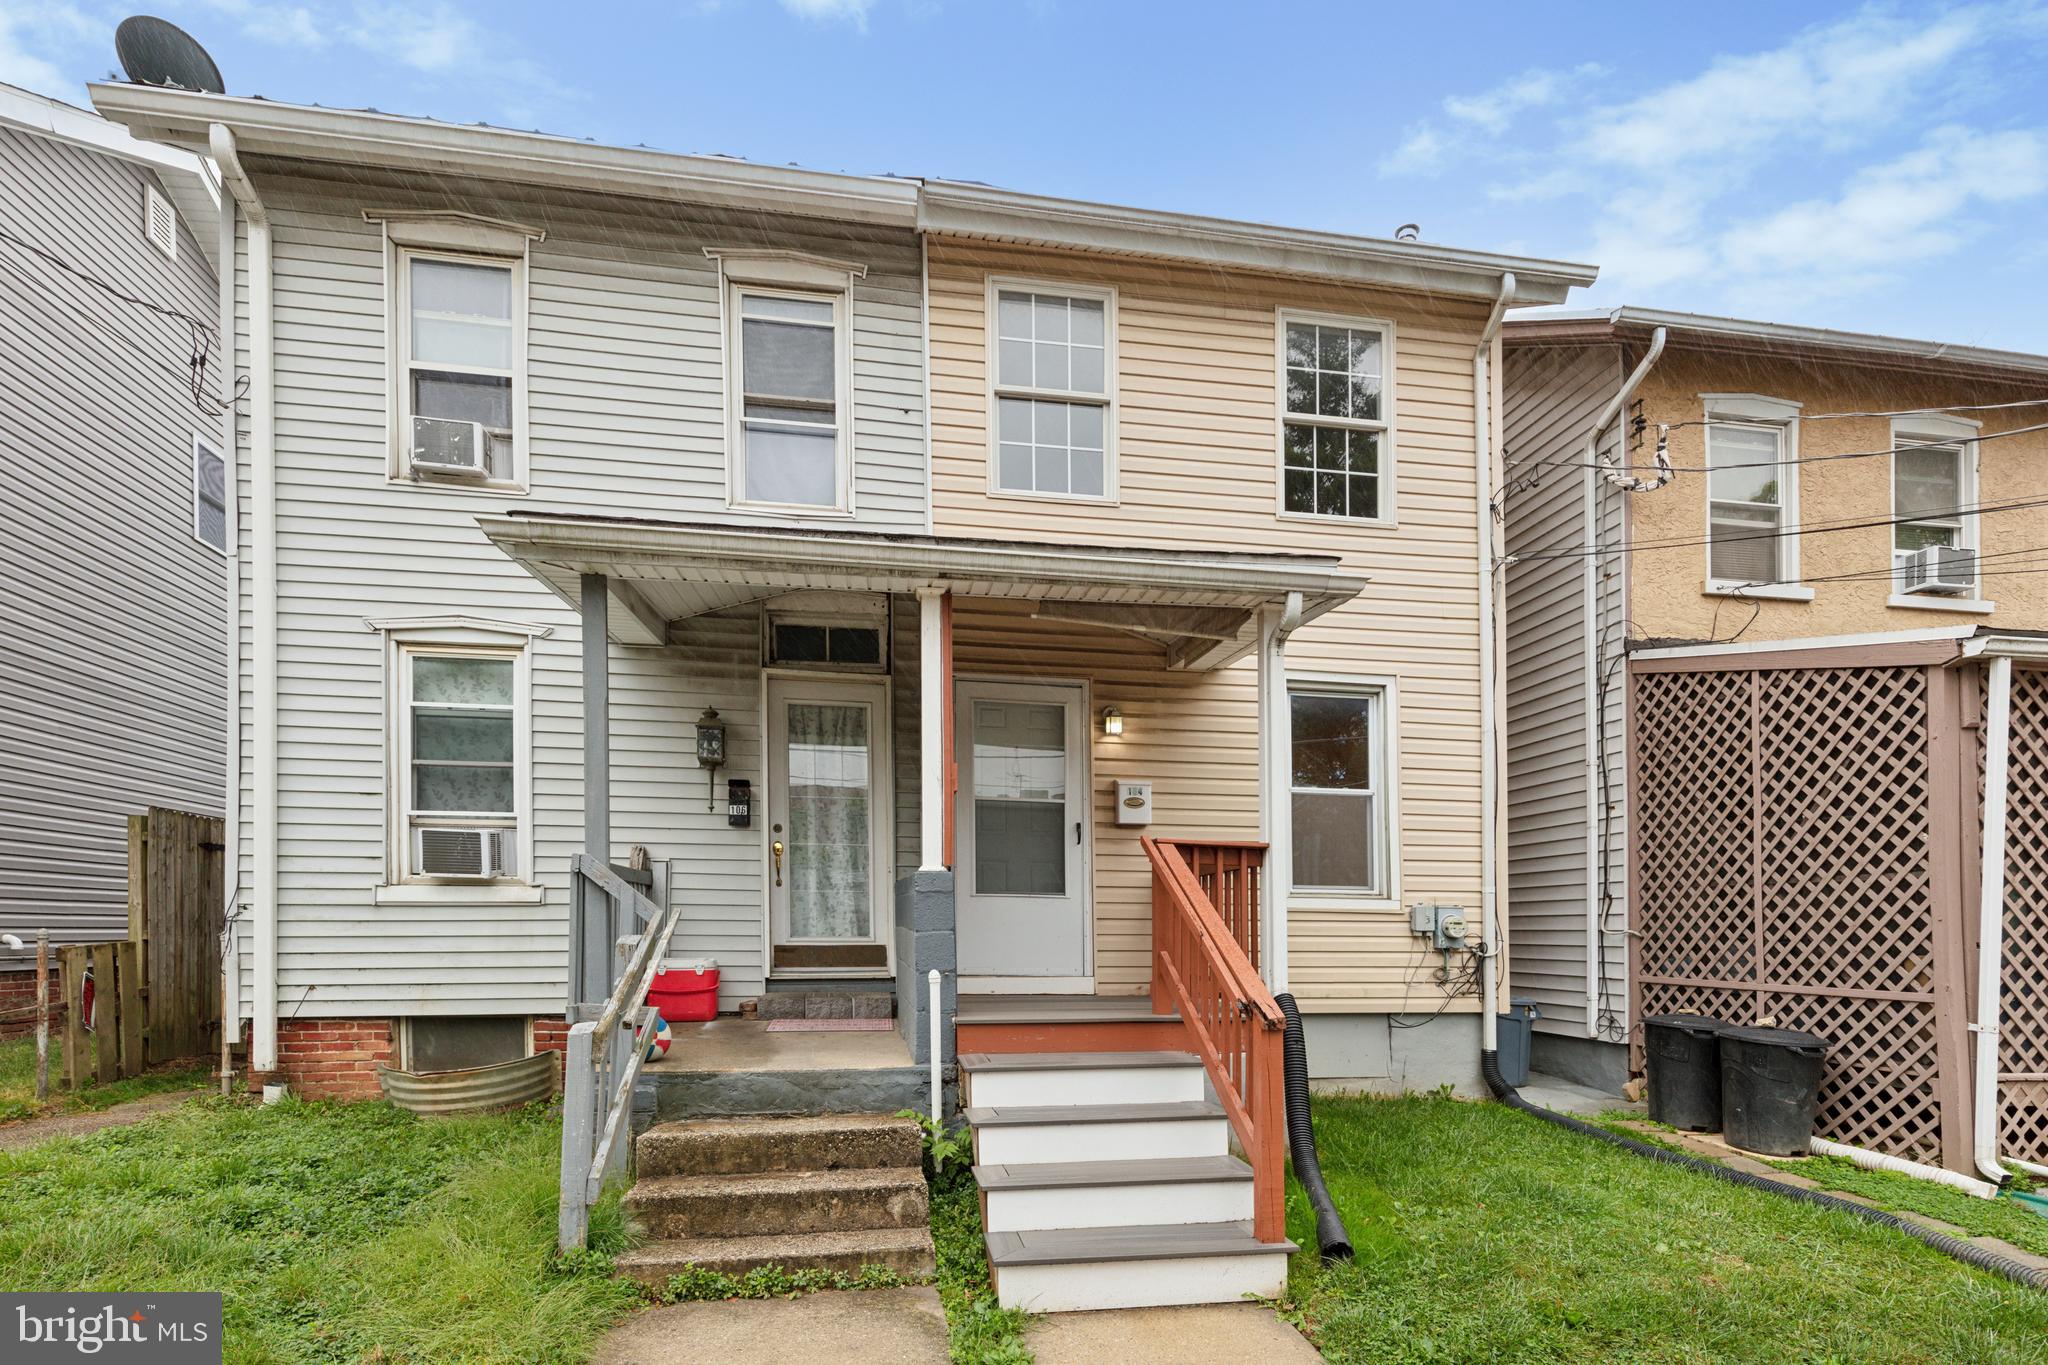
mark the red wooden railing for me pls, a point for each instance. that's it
(1230, 874)
(1200, 968)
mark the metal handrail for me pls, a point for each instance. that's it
(597, 1081)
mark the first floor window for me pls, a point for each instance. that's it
(1746, 492)
(1333, 438)
(460, 740)
(209, 496)
(460, 363)
(1339, 793)
(791, 411)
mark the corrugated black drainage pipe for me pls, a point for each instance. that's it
(1968, 1253)
(1331, 1238)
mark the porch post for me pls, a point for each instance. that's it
(1276, 781)
(932, 702)
(590, 945)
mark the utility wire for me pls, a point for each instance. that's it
(1929, 444)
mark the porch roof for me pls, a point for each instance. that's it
(1201, 605)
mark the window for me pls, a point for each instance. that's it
(209, 496)
(159, 221)
(800, 642)
(1335, 432)
(1934, 477)
(459, 730)
(1053, 418)
(461, 353)
(790, 436)
(1752, 494)
(1339, 792)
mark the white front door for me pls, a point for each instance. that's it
(1021, 868)
(828, 792)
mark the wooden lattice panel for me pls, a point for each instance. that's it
(2023, 1002)
(1694, 805)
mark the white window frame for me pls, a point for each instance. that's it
(1384, 693)
(1389, 512)
(201, 448)
(796, 275)
(1939, 429)
(463, 239)
(1757, 410)
(454, 636)
(1107, 400)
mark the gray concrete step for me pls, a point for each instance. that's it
(791, 1201)
(752, 1146)
(905, 1250)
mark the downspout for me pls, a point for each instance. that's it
(1276, 815)
(1991, 916)
(1489, 685)
(1596, 818)
(263, 595)
(231, 789)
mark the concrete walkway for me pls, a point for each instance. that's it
(873, 1326)
(1211, 1334)
(29, 1132)
(1568, 1097)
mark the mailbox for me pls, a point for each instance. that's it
(1134, 803)
(739, 802)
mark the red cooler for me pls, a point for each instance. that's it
(686, 995)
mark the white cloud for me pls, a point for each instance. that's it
(33, 37)
(830, 11)
(433, 38)
(282, 25)
(1493, 110)
(1420, 153)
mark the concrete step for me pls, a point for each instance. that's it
(1101, 1194)
(753, 1146)
(791, 1201)
(997, 1079)
(907, 1251)
(1076, 1269)
(1031, 1134)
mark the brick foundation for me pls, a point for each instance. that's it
(333, 1059)
(18, 1002)
(550, 1034)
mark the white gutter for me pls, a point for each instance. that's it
(1276, 813)
(263, 592)
(1898, 1165)
(1991, 915)
(1596, 818)
(231, 790)
(1490, 691)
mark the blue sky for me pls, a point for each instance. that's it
(1881, 168)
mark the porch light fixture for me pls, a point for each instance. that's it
(1112, 721)
(711, 751)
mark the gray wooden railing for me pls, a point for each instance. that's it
(604, 1057)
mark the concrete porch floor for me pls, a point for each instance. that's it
(729, 1045)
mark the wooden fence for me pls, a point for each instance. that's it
(156, 996)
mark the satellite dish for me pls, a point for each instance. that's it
(155, 51)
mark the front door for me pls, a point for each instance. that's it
(828, 784)
(1021, 868)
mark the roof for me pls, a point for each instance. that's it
(1738, 334)
(368, 137)
(192, 182)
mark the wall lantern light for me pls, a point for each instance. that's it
(1112, 721)
(711, 750)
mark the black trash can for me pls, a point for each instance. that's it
(1516, 1032)
(1770, 1087)
(1683, 1055)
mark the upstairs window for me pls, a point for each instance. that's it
(1053, 419)
(1934, 488)
(461, 358)
(1753, 496)
(1335, 438)
(209, 496)
(791, 433)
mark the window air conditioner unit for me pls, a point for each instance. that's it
(1941, 569)
(443, 446)
(467, 852)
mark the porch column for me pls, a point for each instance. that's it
(933, 700)
(590, 943)
(1276, 783)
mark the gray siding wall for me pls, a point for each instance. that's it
(626, 410)
(1550, 396)
(114, 670)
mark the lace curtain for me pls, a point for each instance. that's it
(830, 822)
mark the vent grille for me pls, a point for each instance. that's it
(160, 222)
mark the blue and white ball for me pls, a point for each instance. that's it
(658, 1039)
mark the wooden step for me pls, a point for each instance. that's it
(995, 1080)
(905, 1250)
(1071, 1023)
(1095, 1194)
(749, 1146)
(789, 1201)
(1073, 1269)
(1021, 1134)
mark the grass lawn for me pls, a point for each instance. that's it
(337, 1232)
(18, 1083)
(1484, 1234)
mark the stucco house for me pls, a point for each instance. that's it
(869, 577)
(1769, 755)
(112, 544)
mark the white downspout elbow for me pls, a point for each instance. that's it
(262, 593)
(1991, 917)
(1489, 686)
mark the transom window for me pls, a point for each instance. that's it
(460, 762)
(1052, 367)
(1334, 436)
(1339, 798)
(821, 642)
(1746, 503)
(461, 363)
(790, 409)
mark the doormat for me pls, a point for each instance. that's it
(831, 1025)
